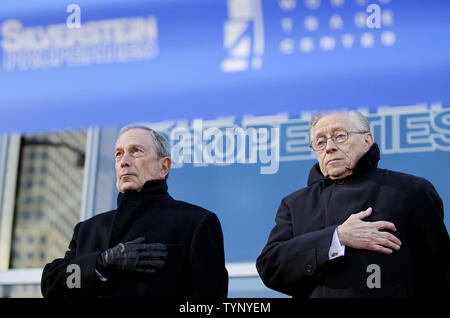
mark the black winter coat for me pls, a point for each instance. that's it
(195, 265)
(295, 259)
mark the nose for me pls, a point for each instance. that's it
(331, 146)
(125, 160)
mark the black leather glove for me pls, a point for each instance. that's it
(134, 256)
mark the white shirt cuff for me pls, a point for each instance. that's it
(102, 278)
(336, 249)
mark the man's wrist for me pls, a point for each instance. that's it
(340, 235)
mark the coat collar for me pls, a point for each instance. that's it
(152, 187)
(367, 162)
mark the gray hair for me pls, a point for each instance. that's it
(360, 121)
(161, 143)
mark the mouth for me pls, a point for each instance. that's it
(332, 160)
(125, 175)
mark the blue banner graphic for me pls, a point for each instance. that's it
(72, 64)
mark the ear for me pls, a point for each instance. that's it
(164, 166)
(368, 140)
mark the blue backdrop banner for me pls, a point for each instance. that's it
(67, 64)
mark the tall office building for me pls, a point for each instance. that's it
(48, 201)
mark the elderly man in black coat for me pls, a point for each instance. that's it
(151, 245)
(357, 230)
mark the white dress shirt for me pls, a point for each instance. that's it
(336, 249)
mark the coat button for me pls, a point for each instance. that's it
(309, 269)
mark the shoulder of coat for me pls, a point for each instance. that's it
(406, 179)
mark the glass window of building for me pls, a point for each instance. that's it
(48, 197)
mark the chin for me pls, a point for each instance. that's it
(336, 174)
(342, 175)
(128, 186)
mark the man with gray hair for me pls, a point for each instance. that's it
(357, 230)
(151, 245)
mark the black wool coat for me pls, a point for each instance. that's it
(295, 259)
(195, 266)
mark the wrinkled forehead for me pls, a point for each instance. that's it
(330, 123)
(135, 137)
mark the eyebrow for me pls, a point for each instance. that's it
(332, 130)
(130, 146)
